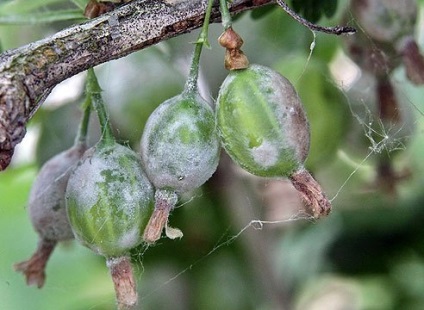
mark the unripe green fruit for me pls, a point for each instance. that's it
(262, 123)
(46, 205)
(180, 144)
(109, 200)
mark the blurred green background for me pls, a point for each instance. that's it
(368, 254)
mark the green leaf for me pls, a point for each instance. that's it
(41, 17)
(262, 12)
(313, 10)
(329, 7)
(25, 6)
(80, 3)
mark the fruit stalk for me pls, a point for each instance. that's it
(225, 13)
(123, 280)
(81, 137)
(191, 83)
(94, 91)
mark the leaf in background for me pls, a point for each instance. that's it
(329, 7)
(80, 3)
(25, 6)
(262, 12)
(42, 17)
(313, 10)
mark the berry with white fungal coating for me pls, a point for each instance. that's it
(47, 212)
(264, 129)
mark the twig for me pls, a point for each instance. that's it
(28, 74)
(338, 30)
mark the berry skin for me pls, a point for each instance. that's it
(109, 200)
(264, 129)
(262, 123)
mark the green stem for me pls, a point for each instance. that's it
(225, 13)
(94, 92)
(83, 126)
(191, 84)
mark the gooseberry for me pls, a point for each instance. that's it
(264, 129)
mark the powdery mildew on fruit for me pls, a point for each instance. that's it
(47, 197)
(106, 196)
(266, 154)
(180, 146)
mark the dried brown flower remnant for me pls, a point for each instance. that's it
(235, 59)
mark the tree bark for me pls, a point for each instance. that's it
(28, 74)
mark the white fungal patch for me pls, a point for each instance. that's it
(266, 154)
(109, 191)
(130, 239)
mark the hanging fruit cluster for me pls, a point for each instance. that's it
(112, 199)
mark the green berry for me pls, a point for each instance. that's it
(262, 123)
(109, 200)
(180, 145)
(180, 151)
(264, 130)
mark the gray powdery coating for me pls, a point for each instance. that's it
(180, 145)
(46, 206)
(109, 200)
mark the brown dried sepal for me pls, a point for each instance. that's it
(230, 39)
(157, 222)
(311, 193)
(33, 269)
(235, 59)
